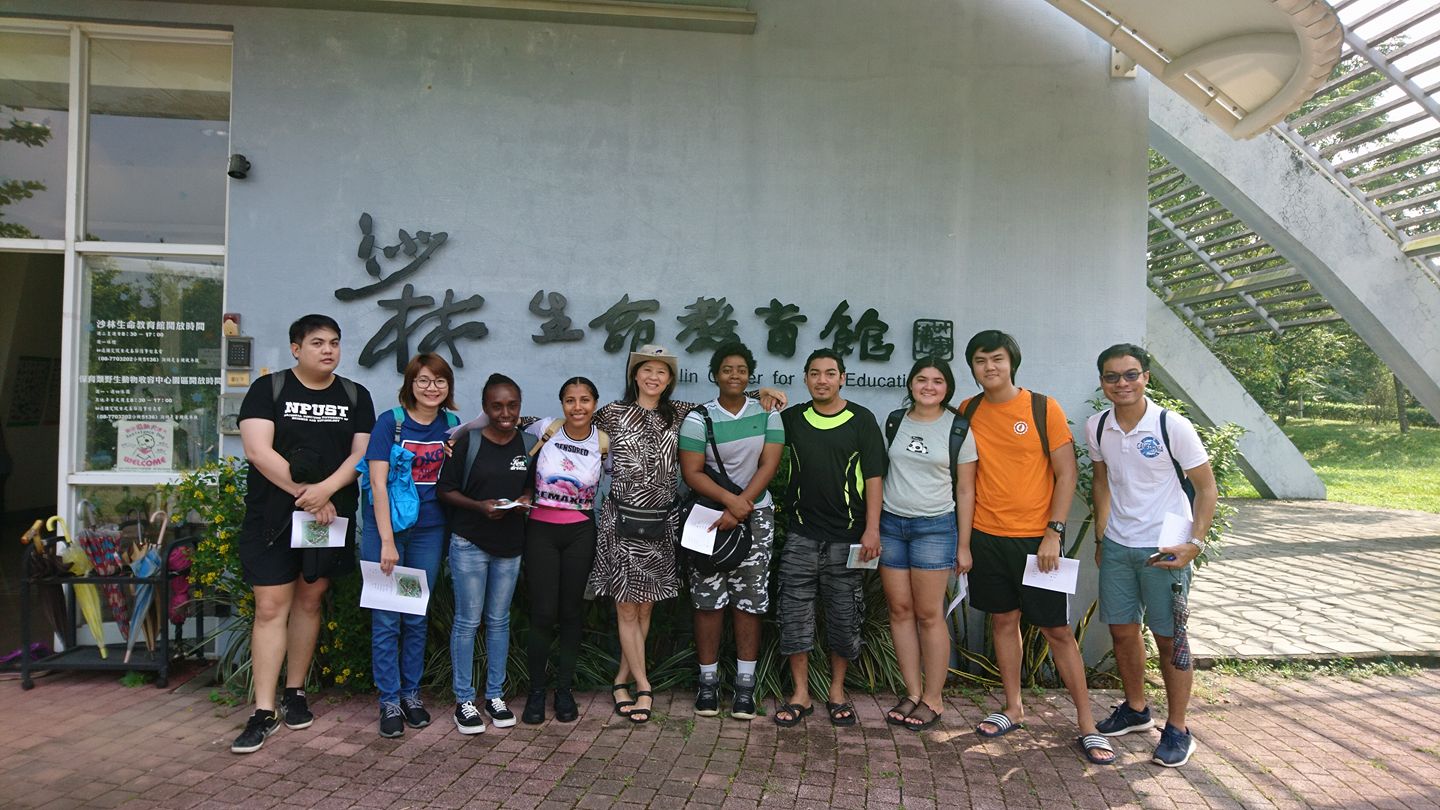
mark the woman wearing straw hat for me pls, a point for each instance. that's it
(636, 532)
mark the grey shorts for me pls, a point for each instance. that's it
(809, 568)
(747, 587)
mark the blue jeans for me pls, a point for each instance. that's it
(483, 582)
(397, 640)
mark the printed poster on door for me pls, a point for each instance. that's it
(144, 445)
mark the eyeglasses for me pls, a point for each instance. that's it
(1110, 377)
(426, 382)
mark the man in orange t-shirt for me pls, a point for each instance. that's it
(1022, 496)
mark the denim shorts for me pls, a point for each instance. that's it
(926, 543)
(1131, 590)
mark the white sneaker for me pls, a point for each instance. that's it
(468, 719)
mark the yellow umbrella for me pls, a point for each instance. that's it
(87, 596)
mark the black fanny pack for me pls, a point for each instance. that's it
(641, 524)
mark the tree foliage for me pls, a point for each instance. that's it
(29, 134)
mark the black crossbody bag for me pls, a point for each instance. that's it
(732, 546)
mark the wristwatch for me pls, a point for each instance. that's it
(1058, 527)
(1196, 542)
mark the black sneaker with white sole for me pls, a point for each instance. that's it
(707, 696)
(744, 706)
(296, 710)
(392, 720)
(500, 714)
(414, 712)
(260, 725)
(468, 718)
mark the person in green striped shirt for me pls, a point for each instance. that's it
(749, 441)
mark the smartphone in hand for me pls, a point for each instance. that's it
(1158, 556)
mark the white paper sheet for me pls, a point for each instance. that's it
(1063, 579)
(1175, 531)
(962, 589)
(696, 534)
(855, 562)
(306, 533)
(506, 503)
(405, 590)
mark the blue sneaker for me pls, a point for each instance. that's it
(1175, 747)
(1125, 720)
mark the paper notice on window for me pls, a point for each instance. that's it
(1063, 579)
(696, 534)
(854, 560)
(962, 590)
(306, 533)
(404, 590)
(1175, 531)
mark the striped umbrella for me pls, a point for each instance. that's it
(102, 545)
(1181, 657)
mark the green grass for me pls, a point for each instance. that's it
(1372, 465)
(1304, 669)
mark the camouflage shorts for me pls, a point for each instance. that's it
(747, 586)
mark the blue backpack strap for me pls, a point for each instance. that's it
(398, 414)
(451, 420)
(892, 425)
(1186, 485)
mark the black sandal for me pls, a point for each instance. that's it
(838, 716)
(641, 714)
(796, 712)
(903, 709)
(621, 704)
(925, 722)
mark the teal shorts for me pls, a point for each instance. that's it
(1131, 590)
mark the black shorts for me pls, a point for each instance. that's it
(266, 558)
(999, 566)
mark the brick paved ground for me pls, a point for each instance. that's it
(1334, 578)
(85, 741)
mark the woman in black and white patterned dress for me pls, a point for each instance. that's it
(644, 430)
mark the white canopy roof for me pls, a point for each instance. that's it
(1245, 63)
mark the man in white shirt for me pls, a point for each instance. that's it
(1139, 450)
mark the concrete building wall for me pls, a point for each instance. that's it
(969, 162)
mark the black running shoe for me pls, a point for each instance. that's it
(392, 720)
(707, 697)
(534, 713)
(744, 706)
(296, 711)
(414, 712)
(260, 725)
(565, 709)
